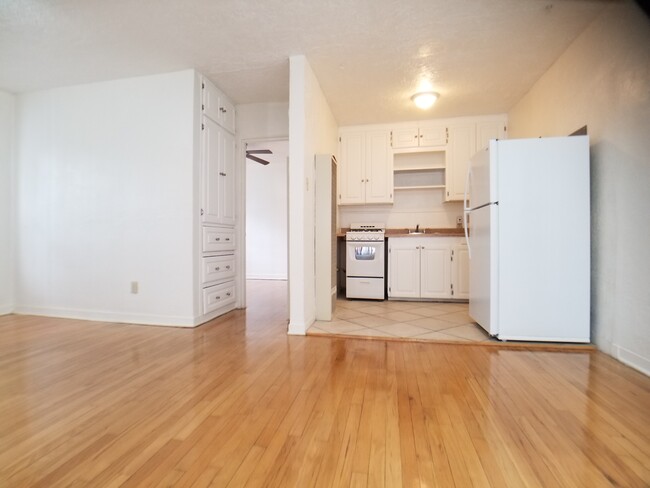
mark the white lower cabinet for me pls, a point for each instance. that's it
(460, 271)
(218, 270)
(426, 268)
(218, 297)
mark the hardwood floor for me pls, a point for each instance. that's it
(237, 402)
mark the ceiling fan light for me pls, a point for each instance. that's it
(425, 100)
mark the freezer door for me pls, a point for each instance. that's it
(483, 290)
(482, 184)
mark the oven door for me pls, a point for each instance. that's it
(365, 259)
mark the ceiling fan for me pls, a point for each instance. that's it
(250, 155)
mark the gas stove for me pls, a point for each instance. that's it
(368, 232)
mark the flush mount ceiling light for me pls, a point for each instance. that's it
(425, 100)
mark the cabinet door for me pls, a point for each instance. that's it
(435, 279)
(351, 176)
(433, 135)
(226, 187)
(461, 147)
(210, 100)
(227, 114)
(403, 268)
(460, 271)
(211, 155)
(489, 129)
(407, 137)
(378, 168)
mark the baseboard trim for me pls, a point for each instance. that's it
(278, 277)
(6, 309)
(632, 359)
(102, 316)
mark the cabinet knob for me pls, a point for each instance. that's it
(228, 267)
(227, 239)
(217, 239)
(217, 268)
(228, 294)
(415, 136)
(217, 298)
(221, 173)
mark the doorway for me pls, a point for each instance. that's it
(266, 212)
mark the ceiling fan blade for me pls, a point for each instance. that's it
(258, 151)
(256, 159)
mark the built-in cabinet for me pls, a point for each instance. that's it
(218, 174)
(376, 161)
(218, 244)
(365, 170)
(461, 147)
(423, 135)
(427, 268)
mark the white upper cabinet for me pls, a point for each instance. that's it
(217, 106)
(218, 175)
(365, 172)
(422, 135)
(461, 147)
(487, 130)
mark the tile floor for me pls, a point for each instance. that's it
(414, 320)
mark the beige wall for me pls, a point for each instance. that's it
(603, 81)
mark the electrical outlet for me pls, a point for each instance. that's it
(459, 222)
(134, 287)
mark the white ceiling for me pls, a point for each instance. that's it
(369, 55)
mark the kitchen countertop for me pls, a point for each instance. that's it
(428, 232)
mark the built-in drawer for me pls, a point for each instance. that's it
(218, 268)
(219, 296)
(217, 239)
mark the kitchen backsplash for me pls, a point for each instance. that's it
(410, 208)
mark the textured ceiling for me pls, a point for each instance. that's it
(369, 55)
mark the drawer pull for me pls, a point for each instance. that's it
(228, 267)
(217, 268)
(228, 294)
(227, 239)
(217, 239)
(218, 297)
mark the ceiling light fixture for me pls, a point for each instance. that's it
(425, 100)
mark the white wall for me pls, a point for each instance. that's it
(104, 196)
(263, 121)
(7, 126)
(266, 213)
(312, 130)
(603, 81)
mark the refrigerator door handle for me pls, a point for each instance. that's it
(469, 248)
(467, 176)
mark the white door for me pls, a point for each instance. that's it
(461, 147)
(378, 167)
(351, 175)
(433, 135)
(460, 271)
(407, 137)
(403, 268)
(210, 166)
(483, 268)
(488, 130)
(365, 259)
(435, 267)
(227, 179)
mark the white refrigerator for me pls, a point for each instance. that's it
(527, 202)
